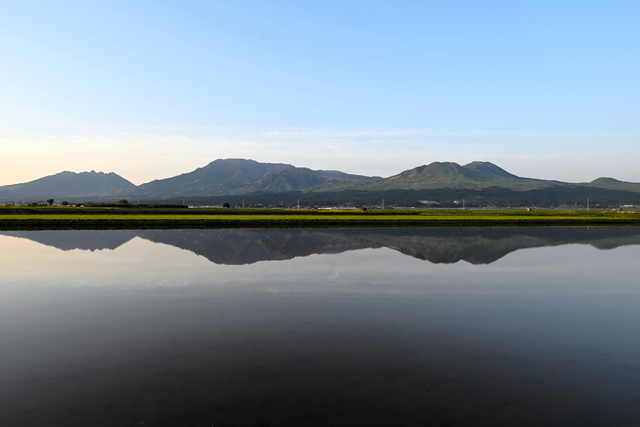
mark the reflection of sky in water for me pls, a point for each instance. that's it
(153, 333)
(140, 263)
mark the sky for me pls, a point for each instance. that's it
(152, 89)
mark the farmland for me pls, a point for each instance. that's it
(52, 218)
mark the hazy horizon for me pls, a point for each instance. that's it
(276, 162)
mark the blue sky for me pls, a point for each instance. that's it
(152, 89)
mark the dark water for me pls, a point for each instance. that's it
(399, 327)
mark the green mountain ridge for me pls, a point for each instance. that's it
(232, 180)
(613, 184)
(239, 176)
(475, 175)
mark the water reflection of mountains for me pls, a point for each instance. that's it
(436, 245)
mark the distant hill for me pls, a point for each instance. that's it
(614, 184)
(475, 175)
(235, 180)
(239, 176)
(66, 185)
(478, 183)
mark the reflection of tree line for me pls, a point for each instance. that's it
(437, 245)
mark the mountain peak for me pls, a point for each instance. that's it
(67, 184)
(605, 180)
(241, 176)
(474, 171)
(489, 168)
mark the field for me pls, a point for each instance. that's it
(53, 218)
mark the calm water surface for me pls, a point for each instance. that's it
(395, 327)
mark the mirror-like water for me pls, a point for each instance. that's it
(520, 326)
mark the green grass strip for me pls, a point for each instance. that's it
(159, 220)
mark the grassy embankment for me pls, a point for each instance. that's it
(52, 218)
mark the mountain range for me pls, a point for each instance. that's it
(236, 180)
(238, 176)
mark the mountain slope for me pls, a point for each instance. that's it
(238, 176)
(475, 175)
(614, 184)
(268, 183)
(67, 185)
(484, 183)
